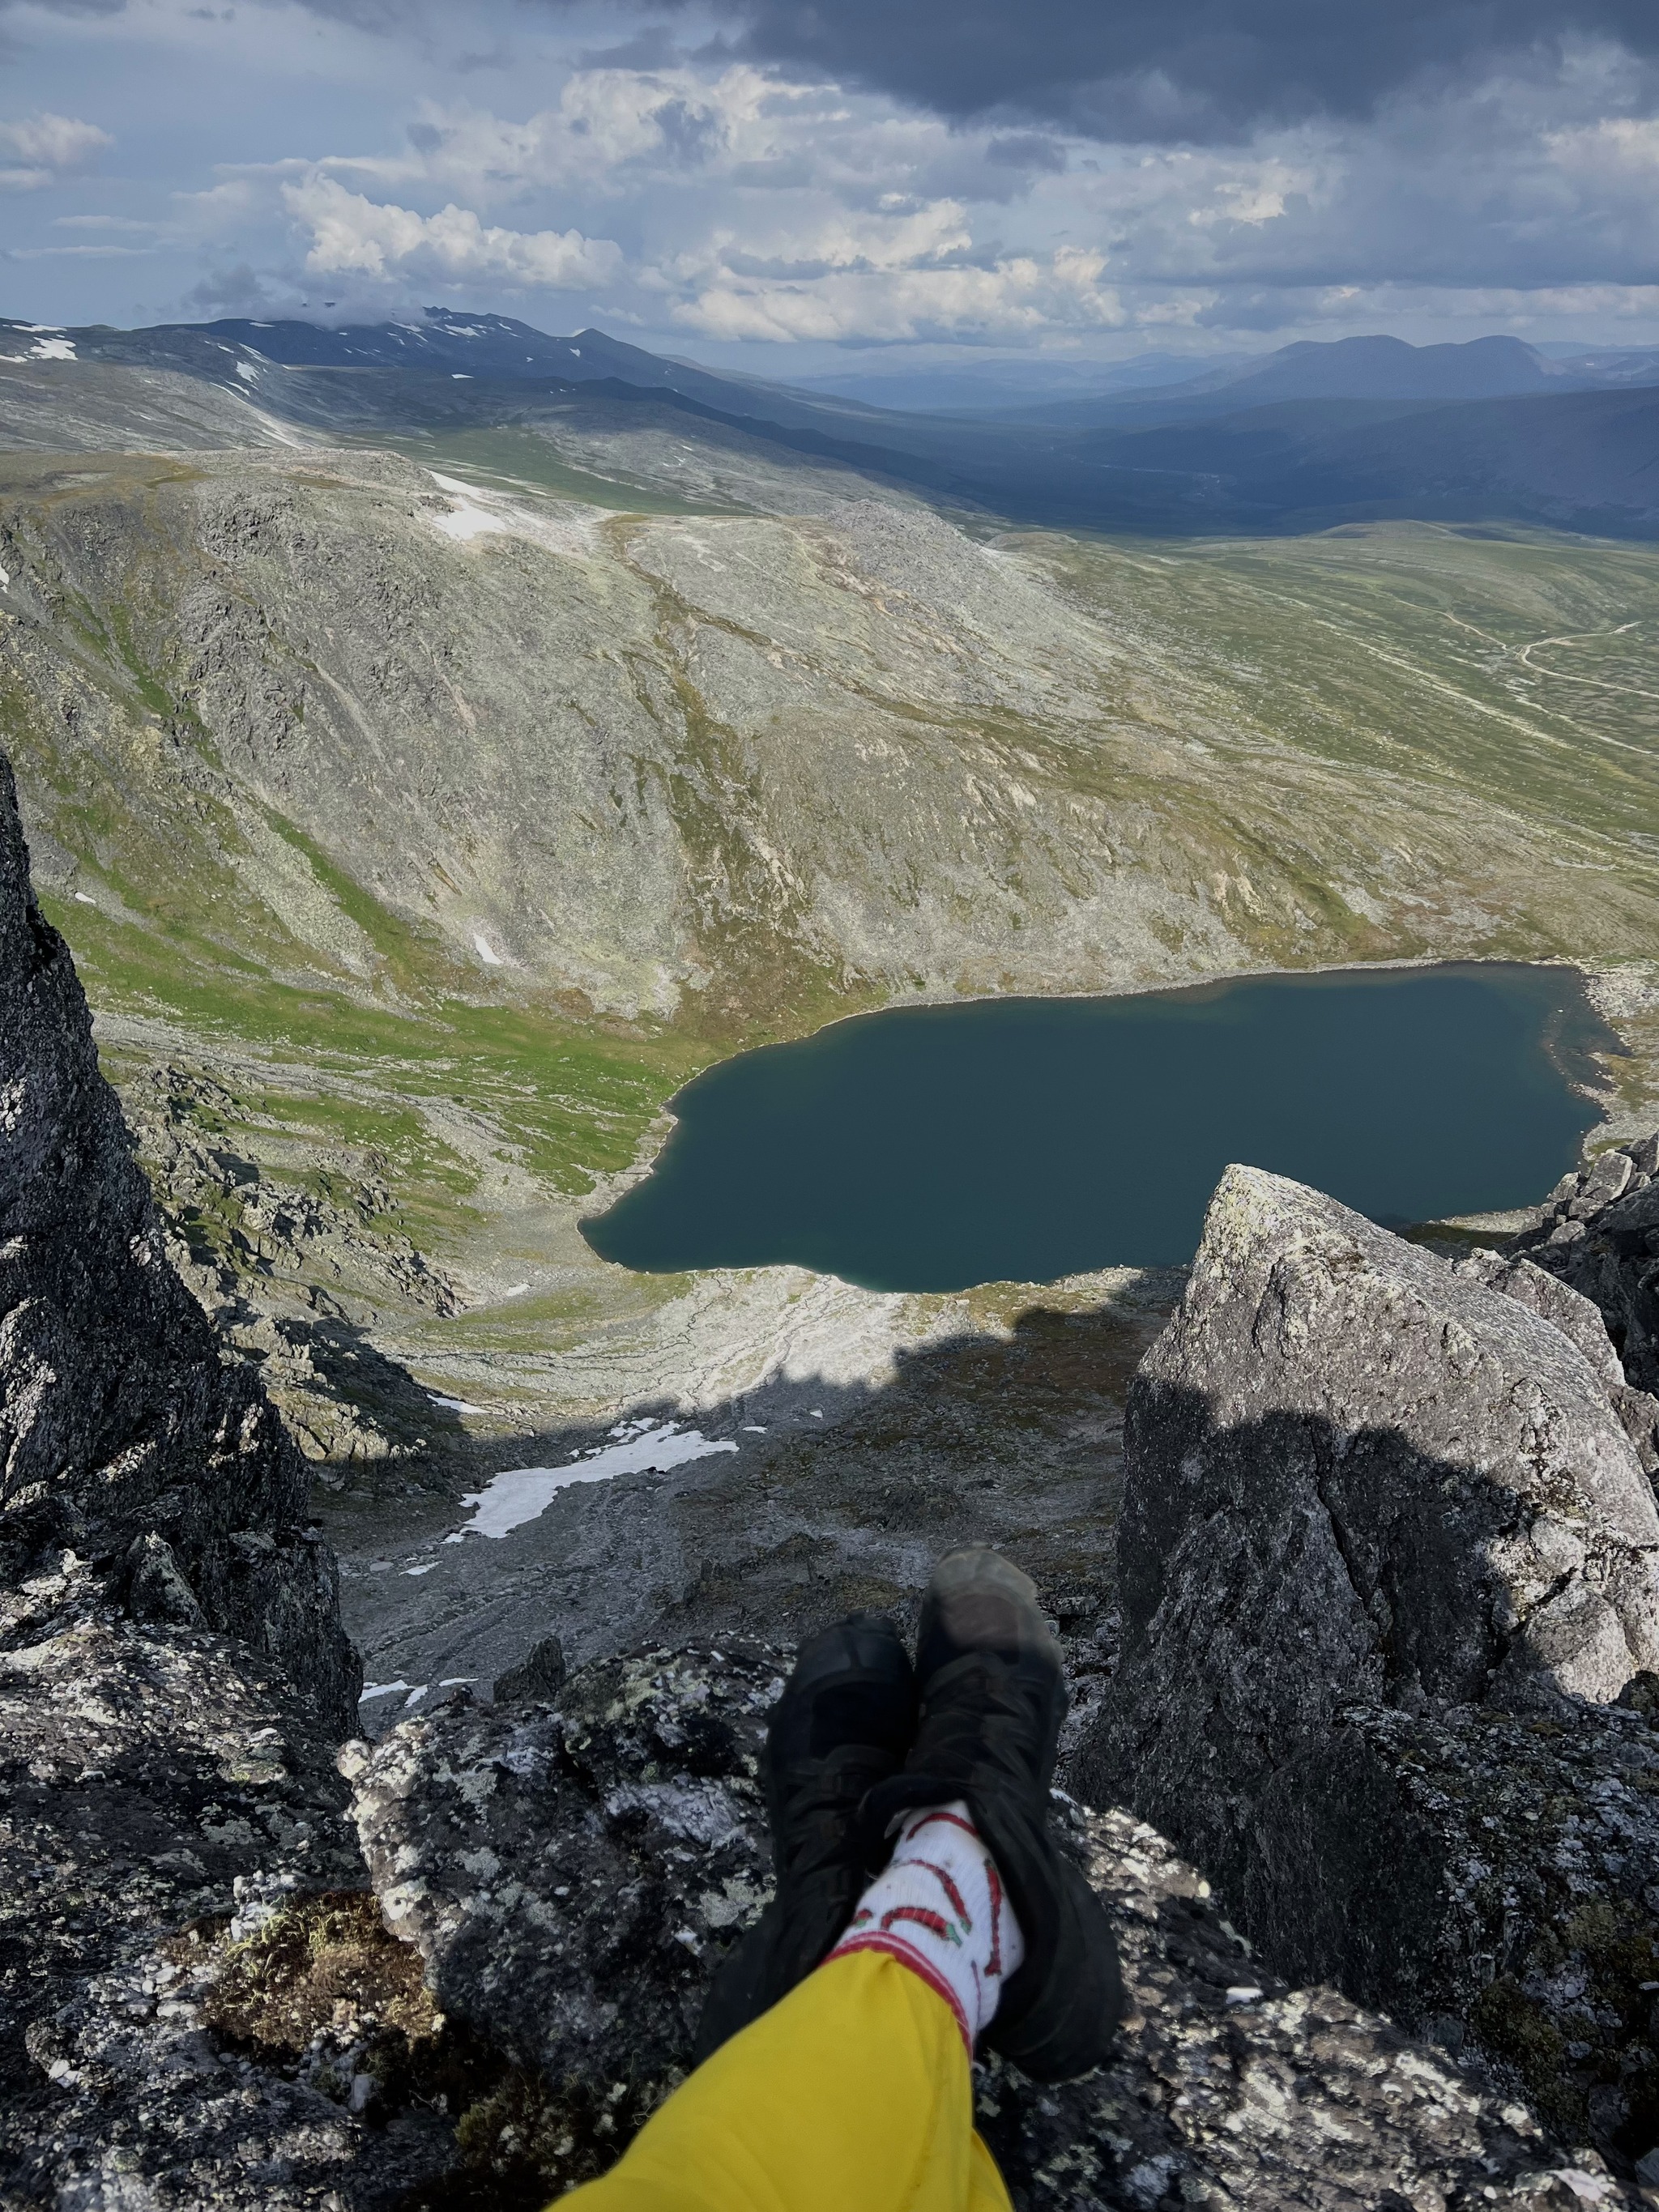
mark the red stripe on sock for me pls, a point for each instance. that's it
(950, 1888)
(895, 1946)
(934, 1922)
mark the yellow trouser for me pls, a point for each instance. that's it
(852, 2095)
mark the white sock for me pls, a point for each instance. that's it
(939, 1909)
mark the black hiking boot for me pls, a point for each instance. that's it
(843, 1723)
(993, 1699)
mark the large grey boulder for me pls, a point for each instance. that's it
(1369, 1455)
(1385, 1533)
(574, 1869)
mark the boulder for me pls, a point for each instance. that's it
(574, 1871)
(1386, 1556)
(1579, 1318)
(1599, 1234)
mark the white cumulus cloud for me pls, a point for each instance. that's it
(352, 236)
(45, 146)
(1014, 297)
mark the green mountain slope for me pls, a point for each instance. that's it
(466, 804)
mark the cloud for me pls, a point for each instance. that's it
(846, 176)
(1017, 297)
(354, 236)
(1163, 71)
(47, 146)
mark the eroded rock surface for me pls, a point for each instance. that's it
(173, 1671)
(573, 1871)
(123, 1435)
(146, 1769)
(1386, 1556)
(1600, 1235)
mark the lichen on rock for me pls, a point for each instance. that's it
(1387, 1558)
(573, 1870)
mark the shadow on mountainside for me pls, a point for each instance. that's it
(1016, 1440)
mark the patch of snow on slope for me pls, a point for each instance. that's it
(246, 369)
(559, 526)
(466, 518)
(487, 951)
(52, 350)
(521, 1494)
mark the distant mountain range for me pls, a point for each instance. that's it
(1311, 436)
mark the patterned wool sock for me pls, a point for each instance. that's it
(940, 1909)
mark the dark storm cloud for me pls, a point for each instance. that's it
(1208, 69)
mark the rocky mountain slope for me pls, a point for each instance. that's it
(690, 742)
(211, 1993)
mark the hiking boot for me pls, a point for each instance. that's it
(843, 1723)
(993, 1699)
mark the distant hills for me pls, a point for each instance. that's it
(1312, 436)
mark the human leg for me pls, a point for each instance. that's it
(850, 2087)
(854, 2094)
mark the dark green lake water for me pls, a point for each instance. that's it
(928, 1148)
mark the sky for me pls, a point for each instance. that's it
(791, 188)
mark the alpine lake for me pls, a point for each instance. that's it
(933, 1147)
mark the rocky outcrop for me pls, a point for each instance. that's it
(573, 1871)
(1600, 1235)
(172, 1671)
(123, 1435)
(147, 1770)
(1580, 1319)
(1387, 1558)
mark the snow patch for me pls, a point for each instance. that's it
(560, 527)
(522, 1493)
(426, 1570)
(487, 951)
(380, 1689)
(52, 350)
(466, 520)
(246, 369)
(82, 899)
(453, 1405)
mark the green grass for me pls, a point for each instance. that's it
(574, 1099)
(1415, 649)
(508, 460)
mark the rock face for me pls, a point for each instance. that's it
(1587, 1324)
(173, 1671)
(122, 1435)
(147, 1770)
(573, 1870)
(1386, 1556)
(1600, 1235)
